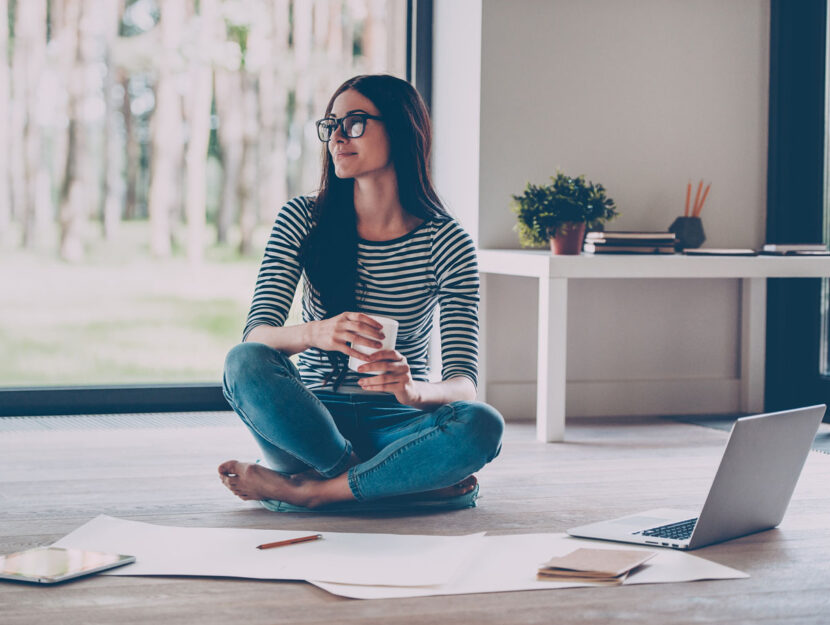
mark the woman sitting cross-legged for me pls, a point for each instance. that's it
(375, 240)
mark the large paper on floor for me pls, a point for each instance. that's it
(367, 566)
(382, 559)
(506, 563)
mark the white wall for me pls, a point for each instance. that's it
(642, 96)
(456, 106)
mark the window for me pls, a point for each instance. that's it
(796, 369)
(150, 146)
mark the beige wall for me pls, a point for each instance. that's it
(642, 96)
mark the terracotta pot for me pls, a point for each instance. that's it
(568, 237)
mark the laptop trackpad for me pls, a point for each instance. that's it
(639, 521)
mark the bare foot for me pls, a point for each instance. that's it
(253, 481)
(250, 481)
(461, 488)
(313, 474)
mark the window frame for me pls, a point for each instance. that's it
(796, 199)
(66, 400)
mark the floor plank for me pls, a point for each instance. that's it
(52, 481)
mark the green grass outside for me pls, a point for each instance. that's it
(180, 341)
(121, 317)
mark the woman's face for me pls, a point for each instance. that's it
(368, 154)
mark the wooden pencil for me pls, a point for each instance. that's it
(688, 196)
(290, 541)
(702, 200)
(697, 198)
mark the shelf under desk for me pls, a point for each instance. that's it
(553, 273)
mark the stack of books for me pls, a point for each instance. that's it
(619, 242)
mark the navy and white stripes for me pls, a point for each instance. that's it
(403, 278)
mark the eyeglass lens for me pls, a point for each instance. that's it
(353, 127)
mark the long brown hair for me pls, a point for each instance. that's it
(329, 253)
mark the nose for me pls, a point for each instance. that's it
(338, 135)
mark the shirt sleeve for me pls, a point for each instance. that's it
(280, 270)
(456, 272)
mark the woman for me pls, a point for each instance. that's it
(375, 240)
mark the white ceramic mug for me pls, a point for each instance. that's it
(390, 332)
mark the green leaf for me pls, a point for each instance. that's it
(544, 208)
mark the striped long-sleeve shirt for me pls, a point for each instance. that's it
(403, 279)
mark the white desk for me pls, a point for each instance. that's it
(553, 273)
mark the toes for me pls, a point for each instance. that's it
(229, 467)
(229, 473)
(238, 490)
(231, 482)
(467, 484)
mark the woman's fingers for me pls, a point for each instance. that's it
(385, 354)
(378, 369)
(384, 360)
(366, 320)
(364, 324)
(358, 329)
(355, 329)
(349, 351)
(344, 347)
(386, 371)
(359, 339)
(373, 384)
(382, 381)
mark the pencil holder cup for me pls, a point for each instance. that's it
(689, 232)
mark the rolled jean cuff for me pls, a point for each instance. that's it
(339, 466)
(353, 485)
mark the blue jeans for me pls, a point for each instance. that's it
(403, 449)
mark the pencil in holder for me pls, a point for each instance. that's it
(689, 232)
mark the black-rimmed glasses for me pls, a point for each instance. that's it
(352, 126)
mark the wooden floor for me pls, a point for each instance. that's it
(55, 480)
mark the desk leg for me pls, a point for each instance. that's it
(550, 369)
(753, 343)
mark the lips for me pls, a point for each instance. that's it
(344, 154)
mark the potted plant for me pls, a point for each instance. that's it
(560, 212)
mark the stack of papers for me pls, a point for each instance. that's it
(720, 251)
(796, 249)
(367, 566)
(598, 566)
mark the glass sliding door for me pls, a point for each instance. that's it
(150, 144)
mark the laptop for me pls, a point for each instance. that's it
(750, 493)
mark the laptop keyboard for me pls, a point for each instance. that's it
(676, 531)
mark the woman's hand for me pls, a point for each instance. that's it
(343, 332)
(394, 377)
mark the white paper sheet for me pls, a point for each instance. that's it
(381, 559)
(508, 563)
(367, 566)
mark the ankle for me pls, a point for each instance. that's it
(328, 491)
(311, 494)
